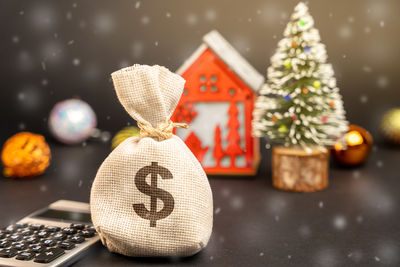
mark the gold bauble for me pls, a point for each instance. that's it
(25, 155)
(124, 134)
(390, 126)
(358, 146)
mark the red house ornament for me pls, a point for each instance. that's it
(217, 102)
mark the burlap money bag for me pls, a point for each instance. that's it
(151, 196)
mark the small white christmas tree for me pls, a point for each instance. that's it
(300, 103)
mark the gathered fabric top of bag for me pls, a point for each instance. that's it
(150, 95)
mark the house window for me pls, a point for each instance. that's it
(208, 83)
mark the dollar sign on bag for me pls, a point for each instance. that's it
(154, 192)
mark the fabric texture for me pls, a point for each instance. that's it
(151, 197)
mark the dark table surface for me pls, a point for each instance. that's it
(355, 222)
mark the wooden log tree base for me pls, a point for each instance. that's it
(295, 169)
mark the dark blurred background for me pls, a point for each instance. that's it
(54, 50)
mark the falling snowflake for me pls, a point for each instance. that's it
(168, 14)
(321, 204)
(43, 18)
(76, 62)
(210, 15)
(326, 257)
(339, 222)
(304, 231)
(15, 39)
(68, 16)
(137, 5)
(105, 136)
(367, 69)
(356, 255)
(226, 192)
(25, 61)
(356, 174)
(29, 98)
(388, 252)
(261, 254)
(137, 49)
(237, 203)
(45, 82)
(191, 19)
(52, 51)
(145, 20)
(379, 163)
(124, 63)
(104, 23)
(217, 210)
(345, 32)
(350, 19)
(382, 81)
(364, 99)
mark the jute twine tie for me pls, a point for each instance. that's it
(162, 131)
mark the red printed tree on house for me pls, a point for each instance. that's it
(218, 152)
(233, 149)
(194, 143)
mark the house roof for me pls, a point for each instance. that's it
(227, 53)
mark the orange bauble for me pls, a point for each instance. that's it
(358, 146)
(25, 155)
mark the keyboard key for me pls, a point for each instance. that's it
(52, 229)
(8, 253)
(49, 242)
(15, 237)
(36, 226)
(36, 248)
(5, 244)
(66, 245)
(25, 256)
(31, 239)
(86, 233)
(49, 255)
(43, 234)
(59, 236)
(26, 232)
(21, 225)
(20, 246)
(91, 228)
(10, 229)
(77, 226)
(69, 231)
(77, 239)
